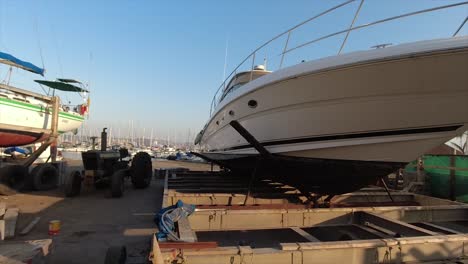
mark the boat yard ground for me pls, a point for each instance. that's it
(273, 228)
(93, 221)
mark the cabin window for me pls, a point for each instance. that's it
(232, 88)
(237, 85)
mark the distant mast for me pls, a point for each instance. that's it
(151, 139)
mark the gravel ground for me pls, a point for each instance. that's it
(93, 221)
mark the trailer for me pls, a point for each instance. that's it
(231, 225)
(242, 218)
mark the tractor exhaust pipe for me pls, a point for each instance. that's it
(104, 140)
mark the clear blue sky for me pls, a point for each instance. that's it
(159, 63)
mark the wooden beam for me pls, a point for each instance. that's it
(10, 217)
(304, 234)
(382, 230)
(2, 209)
(30, 226)
(442, 228)
(373, 231)
(400, 227)
(188, 245)
(155, 255)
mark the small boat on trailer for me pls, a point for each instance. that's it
(26, 117)
(339, 123)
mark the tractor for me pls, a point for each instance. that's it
(110, 168)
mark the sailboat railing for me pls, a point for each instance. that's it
(217, 96)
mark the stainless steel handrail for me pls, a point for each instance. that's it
(271, 40)
(376, 22)
(352, 24)
(460, 27)
(347, 31)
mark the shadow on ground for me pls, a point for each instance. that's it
(91, 222)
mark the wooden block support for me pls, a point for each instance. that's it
(10, 217)
(186, 233)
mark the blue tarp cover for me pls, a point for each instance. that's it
(13, 61)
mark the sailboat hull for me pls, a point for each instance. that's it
(9, 138)
(23, 123)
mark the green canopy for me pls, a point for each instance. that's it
(61, 86)
(68, 80)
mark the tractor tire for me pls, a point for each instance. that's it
(120, 165)
(73, 184)
(44, 177)
(117, 183)
(116, 255)
(141, 170)
(12, 179)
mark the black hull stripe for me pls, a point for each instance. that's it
(353, 136)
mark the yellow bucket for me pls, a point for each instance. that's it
(54, 227)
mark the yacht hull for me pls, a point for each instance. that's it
(309, 175)
(390, 110)
(387, 110)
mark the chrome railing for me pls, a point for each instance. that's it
(218, 95)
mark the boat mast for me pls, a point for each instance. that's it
(110, 136)
(151, 139)
(133, 137)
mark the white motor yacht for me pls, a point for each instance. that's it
(349, 118)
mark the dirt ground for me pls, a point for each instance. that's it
(94, 221)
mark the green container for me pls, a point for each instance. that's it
(439, 167)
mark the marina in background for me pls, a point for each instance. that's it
(349, 153)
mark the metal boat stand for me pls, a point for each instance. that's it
(386, 189)
(264, 153)
(315, 198)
